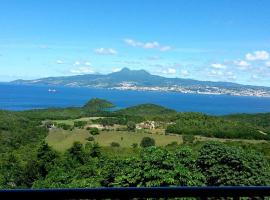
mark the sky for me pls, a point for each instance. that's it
(224, 40)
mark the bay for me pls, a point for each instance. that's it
(25, 97)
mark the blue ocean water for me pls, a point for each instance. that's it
(21, 97)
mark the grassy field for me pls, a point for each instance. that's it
(71, 121)
(61, 140)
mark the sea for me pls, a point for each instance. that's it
(26, 97)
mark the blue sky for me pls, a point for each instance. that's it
(223, 40)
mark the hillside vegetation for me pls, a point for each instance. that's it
(257, 120)
(148, 111)
(145, 145)
(211, 126)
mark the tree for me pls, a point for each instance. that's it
(46, 157)
(115, 144)
(77, 152)
(188, 139)
(154, 167)
(48, 124)
(134, 145)
(147, 142)
(64, 126)
(131, 126)
(95, 150)
(80, 124)
(39, 166)
(225, 165)
(11, 171)
(94, 131)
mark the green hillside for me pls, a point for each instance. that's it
(149, 111)
(212, 126)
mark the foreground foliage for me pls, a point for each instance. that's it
(216, 164)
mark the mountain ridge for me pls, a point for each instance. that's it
(127, 79)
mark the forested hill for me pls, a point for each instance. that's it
(148, 110)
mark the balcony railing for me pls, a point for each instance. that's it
(202, 193)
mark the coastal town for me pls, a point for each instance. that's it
(197, 90)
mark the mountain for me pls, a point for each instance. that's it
(143, 80)
(136, 77)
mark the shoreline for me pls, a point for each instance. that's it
(141, 89)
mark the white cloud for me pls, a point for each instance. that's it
(218, 66)
(176, 65)
(106, 51)
(151, 45)
(222, 75)
(168, 71)
(241, 63)
(184, 72)
(116, 69)
(147, 45)
(257, 55)
(214, 73)
(87, 64)
(254, 77)
(165, 48)
(153, 58)
(133, 43)
(230, 76)
(267, 64)
(82, 70)
(60, 62)
(77, 63)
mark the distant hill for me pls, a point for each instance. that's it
(143, 80)
(138, 77)
(259, 119)
(148, 111)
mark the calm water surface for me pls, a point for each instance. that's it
(19, 97)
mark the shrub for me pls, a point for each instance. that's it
(80, 124)
(188, 139)
(172, 144)
(131, 126)
(48, 124)
(64, 126)
(147, 142)
(94, 131)
(115, 144)
(134, 145)
(90, 138)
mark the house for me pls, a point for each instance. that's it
(146, 125)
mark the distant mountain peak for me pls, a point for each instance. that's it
(129, 79)
(125, 69)
(128, 71)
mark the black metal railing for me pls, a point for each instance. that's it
(253, 192)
